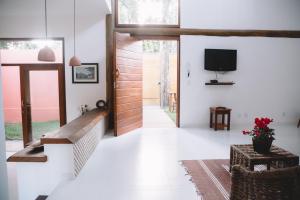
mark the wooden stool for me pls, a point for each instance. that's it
(214, 112)
(172, 102)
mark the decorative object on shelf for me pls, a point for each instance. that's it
(101, 105)
(74, 61)
(46, 54)
(85, 73)
(262, 135)
(215, 82)
(84, 109)
(35, 146)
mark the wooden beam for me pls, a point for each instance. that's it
(109, 69)
(28, 155)
(208, 32)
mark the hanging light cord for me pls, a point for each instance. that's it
(74, 29)
(46, 25)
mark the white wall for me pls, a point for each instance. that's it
(25, 19)
(267, 76)
(267, 80)
(21, 19)
(237, 14)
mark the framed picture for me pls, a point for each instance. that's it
(86, 73)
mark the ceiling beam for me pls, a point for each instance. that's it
(144, 31)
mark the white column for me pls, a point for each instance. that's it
(3, 170)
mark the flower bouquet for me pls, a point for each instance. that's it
(262, 135)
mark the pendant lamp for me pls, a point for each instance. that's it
(74, 61)
(46, 53)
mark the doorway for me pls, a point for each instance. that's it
(160, 63)
(132, 94)
(33, 93)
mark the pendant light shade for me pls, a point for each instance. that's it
(46, 54)
(74, 61)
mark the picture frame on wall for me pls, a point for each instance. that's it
(85, 73)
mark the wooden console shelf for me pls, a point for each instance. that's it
(68, 134)
(220, 83)
(28, 155)
(76, 129)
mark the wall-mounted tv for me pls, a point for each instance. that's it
(220, 59)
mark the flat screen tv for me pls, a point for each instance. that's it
(220, 60)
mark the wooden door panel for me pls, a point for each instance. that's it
(25, 70)
(26, 105)
(127, 99)
(129, 92)
(130, 127)
(129, 62)
(128, 114)
(130, 69)
(129, 106)
(128, 84)
(129, 54)
(132, 119)
(130, 77)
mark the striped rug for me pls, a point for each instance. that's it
(211, 178)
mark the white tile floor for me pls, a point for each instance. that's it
(143, 165)
(155, 117)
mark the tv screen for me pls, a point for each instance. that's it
(220, 60)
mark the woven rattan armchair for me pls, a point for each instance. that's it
(278, 184)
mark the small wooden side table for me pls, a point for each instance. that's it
(245, 155)
(172, 102)
(214, 112)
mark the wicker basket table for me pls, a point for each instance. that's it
(245, 155)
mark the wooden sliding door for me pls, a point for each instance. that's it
(128, 84)
(42, 99)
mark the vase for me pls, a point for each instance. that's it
(262, 146)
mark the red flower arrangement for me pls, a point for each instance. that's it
(261, 129)
(262, 135)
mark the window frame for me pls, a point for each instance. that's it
(118, 25)
(53, 66)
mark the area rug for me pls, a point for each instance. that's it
(211, 178)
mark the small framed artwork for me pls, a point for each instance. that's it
(86, 73)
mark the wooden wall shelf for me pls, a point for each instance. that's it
(220, 83)
(70, 133)
(76, 129)
(27, 155)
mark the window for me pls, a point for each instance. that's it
(148, 12)
(33, 91)
(26, 50)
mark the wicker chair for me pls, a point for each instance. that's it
(278, 184)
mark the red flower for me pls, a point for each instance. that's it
(262, 122)
(257, 133)
(260, 128)
(246, 132)
(257, 120)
